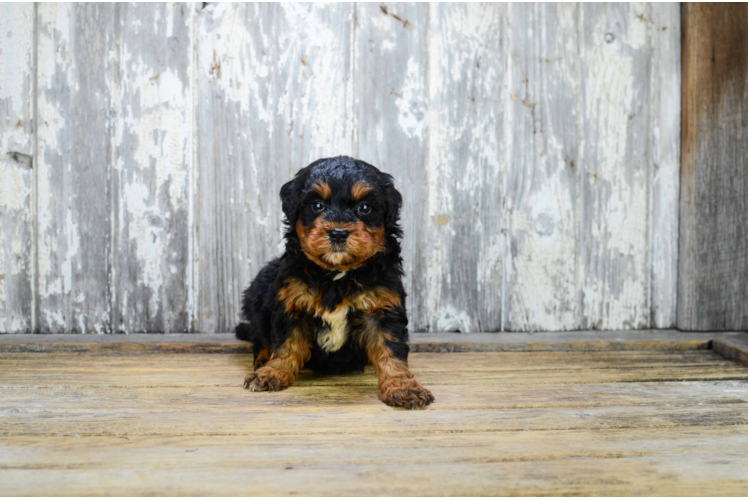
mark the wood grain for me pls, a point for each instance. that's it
(536, 147)
(576, 124)
(665, 116)
(462, 245)
(615, 170)
(543, 140)
(735, 349)
(73, 167)
(592, 341)
(529, 338)
(392, 126)
(16, 167)
(152, 167)
(274, 95)
(712, 285)
(510, 423)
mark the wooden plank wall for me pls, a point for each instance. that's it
(713, 278)
(536, 146)
(16, 167)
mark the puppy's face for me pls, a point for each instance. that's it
(341, 209)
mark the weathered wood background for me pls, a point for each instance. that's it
(143, 146)
(713, 275)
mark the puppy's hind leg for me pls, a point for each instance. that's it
(261, 352)
(280, 370)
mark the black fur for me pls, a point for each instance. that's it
(267, 324)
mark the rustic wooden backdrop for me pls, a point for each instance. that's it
(142, 147)
(713, 264)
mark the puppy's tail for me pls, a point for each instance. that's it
(244, 332)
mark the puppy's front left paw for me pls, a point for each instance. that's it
(406, 393)
(266, 379)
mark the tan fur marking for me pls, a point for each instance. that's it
(397, 386)
(365, 242)
(359, 190)
(283, 367)
(374, 301)
(362, 244)
(323, 189)
(333, 339)
(262, 357)
(297, 297)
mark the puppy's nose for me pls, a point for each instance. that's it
(337, 235)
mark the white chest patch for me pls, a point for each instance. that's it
(333, 339)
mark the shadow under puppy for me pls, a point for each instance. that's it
(334, 301)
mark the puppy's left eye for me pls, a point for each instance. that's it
(364, 208)
(318, 206)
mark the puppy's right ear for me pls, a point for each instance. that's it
(289, 198)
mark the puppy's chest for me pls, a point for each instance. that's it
(334, 331)
(334, 307)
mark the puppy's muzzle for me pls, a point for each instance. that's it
(338, 236)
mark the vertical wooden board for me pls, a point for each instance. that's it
(74, 209)
(713, 266)
(665, 102)
(463, 246)
(152, 169)
(544, 143)
(16, 166)
(275, 94)
(391, 103)
(614, 167)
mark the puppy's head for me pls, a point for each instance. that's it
(344, 212)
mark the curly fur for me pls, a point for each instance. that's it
(329, 305)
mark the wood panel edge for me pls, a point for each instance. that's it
(427, 343)
(734, 349)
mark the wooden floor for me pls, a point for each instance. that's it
(174, 422)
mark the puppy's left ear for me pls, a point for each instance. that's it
(394, 202)
(289, 194)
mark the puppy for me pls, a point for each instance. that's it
(334, 301)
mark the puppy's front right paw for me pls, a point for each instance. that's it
(406, 393)
(267, 379)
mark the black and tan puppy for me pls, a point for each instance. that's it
(334, 301)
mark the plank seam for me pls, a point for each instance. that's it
(355, 83)
(734, 351)
(193, 288)
(668, 425)
(580, 242)
(415, 347)
(505, 158)
(34, 176)
(653, 99)
(679, 251)
(113, 199)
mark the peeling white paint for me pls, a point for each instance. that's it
(449, 319)
(463, 249)
(617, 276)
(16, 168)
(542, 214)
(665, 191)
(278, 80)
(154, 167)
(412, 112)
(540, 182)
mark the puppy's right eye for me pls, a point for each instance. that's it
(318, 206)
